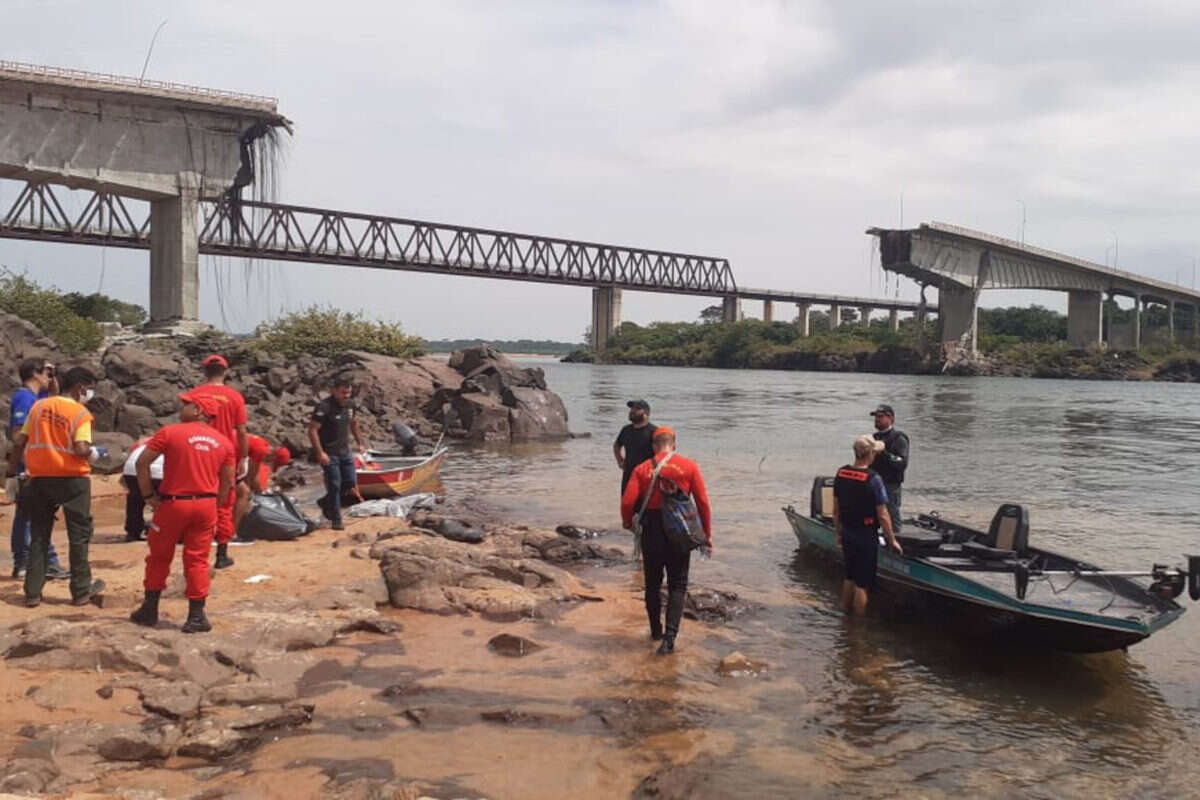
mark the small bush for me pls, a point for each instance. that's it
(329, 333)
(102, 308)
(47, 309)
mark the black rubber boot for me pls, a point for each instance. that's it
(223, 559)
(656, 629)
(196, 621)
(668, 645)
(148, 613)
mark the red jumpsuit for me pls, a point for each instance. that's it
(193, 455)
(231, 415)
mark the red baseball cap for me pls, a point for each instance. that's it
(663, 430)
(216, 359)
(207, 404)
(282, 456)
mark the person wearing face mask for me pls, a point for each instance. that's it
(56, 443)
(37, 382)
(634, 444)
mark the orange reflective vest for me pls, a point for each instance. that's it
(53, 423)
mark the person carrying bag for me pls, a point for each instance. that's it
(673, 518)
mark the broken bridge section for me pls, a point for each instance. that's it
(961, 263)
(169, 144)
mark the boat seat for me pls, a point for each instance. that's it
(1007, 536)
(821, 506)
(916, 541)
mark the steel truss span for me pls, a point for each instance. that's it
(273, 231)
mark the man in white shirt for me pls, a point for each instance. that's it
(135, 504)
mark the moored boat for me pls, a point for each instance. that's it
(394, 476)
(999, 585)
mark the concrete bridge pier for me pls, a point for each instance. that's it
(606, 316)
(893, 320)
(175, 257)
(864, 316)
(1171, 321)
(1137, 322)
(957, 313)
(835, 317)
(1085, 319)
(731, 309)
(803, 318)
(768, 311)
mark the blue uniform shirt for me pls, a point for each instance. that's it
(18, 411)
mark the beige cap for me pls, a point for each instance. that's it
(866, 444)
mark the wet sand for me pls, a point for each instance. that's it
(429, 707)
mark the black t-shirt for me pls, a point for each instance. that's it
(334, 421)
(639, 447)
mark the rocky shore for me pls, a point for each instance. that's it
(343, 665)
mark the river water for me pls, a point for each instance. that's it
(890, 705)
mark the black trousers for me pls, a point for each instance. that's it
(42, 497)
(659, 555)
(893, 493)
(135, 507)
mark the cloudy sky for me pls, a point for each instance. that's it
(769, 133)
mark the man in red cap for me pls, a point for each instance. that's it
(231, 422)
(264, 462)
(198, 464)
(672, 471)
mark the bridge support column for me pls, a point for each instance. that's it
(1171, 321)
(802, 318)
(835, 317)
(864, 316)
(1137, 322)
(175, 257)
(893, 320)
(606, 316)
(731, 309)
(768, 311)
(957, 313)
(1085, 319)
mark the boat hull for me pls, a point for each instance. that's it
(975, 609)
(397, 481)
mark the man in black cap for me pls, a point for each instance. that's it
(635, 442)
(892, 462)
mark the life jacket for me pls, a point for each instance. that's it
(856, 501)
(53, 423)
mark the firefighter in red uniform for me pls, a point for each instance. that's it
(198, 467)
(231, 422)
(264, 462)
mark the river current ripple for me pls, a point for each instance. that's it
(891, 705)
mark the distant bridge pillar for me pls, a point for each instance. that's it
(1085, 319)
(1137, 322)
(175, 256)
(957, 312)
(893, 320)
(1171, 321)
(606, 316)
(802, 318)
(768, 311)
(731, 309)
(835, 317)
(864, 315)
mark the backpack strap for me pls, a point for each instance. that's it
(653, 481)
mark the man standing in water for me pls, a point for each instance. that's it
(659, 553)
(634, 443)
(893, 460)
(860, 506)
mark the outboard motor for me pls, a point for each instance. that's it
(1021, 576)
(1194, 577)
(406, 437)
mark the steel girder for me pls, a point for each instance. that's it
(274, 231)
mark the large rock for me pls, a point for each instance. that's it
(482, 417)
(130, 742)
(129, 364)
(535, 414)
(137, 421)
(118, 446)
(155, 394)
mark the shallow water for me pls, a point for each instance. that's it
(889, 704)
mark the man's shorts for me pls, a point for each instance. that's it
(860, 552)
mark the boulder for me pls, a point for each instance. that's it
(128, 364)
(156, 394)
(482, 417)
(137, 421)
(535, 414)
(104, 405)
(506, 644)
(133, 742)
(252, 693)
(212, 741)
(172, 699)
(119, 445)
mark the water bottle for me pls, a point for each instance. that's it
(97, 453)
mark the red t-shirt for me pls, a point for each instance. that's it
(683, 472)
(258, 449)
(193, 454)
(233, 408)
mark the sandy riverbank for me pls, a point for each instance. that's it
(402, 702)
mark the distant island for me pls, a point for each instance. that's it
(537, 347)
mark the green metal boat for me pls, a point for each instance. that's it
(993, 583)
